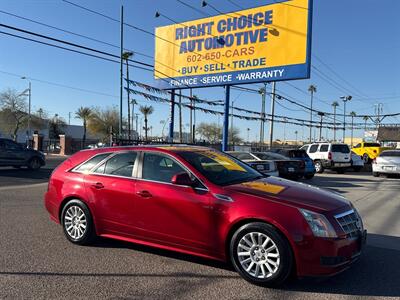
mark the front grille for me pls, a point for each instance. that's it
(350, 223)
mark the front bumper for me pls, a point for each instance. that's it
(326, 257)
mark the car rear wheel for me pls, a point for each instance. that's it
(77, 223)
(366, 158)
(34, 163)
(375, 174)
(318, 167)
(261, 255)
(309, 176)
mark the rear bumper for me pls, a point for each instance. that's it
(328, 164)
(327, 257)
(385, 170)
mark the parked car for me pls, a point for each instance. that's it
(357, 163)
(368, 151)
(267, 167)
(388, 162)
(301, 155)
(14, 155)
(333, 156)
(199, 201)
(288, 168)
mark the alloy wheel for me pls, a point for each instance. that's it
(258, 255)
(75, 222)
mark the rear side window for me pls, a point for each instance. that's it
(371, 145)
(88, 165)
(313, 148)
(390, 153)
(340, 148)
(324, 148)
(120, 164)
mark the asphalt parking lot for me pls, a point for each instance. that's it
(36, 261)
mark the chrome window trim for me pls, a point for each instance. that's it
(344, 213)
(140, 171)
(74, 169)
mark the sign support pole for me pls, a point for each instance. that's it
(271, 126)
(225, 132)
(171, 117)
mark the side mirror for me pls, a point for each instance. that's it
(182, 179)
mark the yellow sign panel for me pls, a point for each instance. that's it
(265, 43)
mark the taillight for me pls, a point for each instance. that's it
(330, 155)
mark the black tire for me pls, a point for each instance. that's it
(309, 176)
(357, 169)
(366, 158)
(340, 171)
(89, 233)
(34, 163)
(318, 167)
(281, 271)
(375, 174)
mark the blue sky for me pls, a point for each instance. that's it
(358, 39)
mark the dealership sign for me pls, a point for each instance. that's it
(266, 43)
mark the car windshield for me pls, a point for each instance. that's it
(391, 153)
(219, 168)
(371, 145)
(269, 156)
(298, 154)
(340, 148)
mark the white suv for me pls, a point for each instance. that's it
(329, 156)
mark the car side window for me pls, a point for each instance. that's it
(88, 165)
(159, 167)
(324, 148)
(11, 145)
(120, 164)
(357, 146)
(243, 156)
(313, 148)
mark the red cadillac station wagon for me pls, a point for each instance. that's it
(200, 201)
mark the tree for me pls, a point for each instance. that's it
(335, 104)
(365, 118)
(146, 111)
(352, 114)
(312, 89)
(212, 133)
(13, 112)
(83, 113)
(56, 126)
(103, 121)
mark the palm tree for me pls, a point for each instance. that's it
(335, 104)
(365, 118)
(83, 113)
(146, 111)
(312, 89)
(352, 114)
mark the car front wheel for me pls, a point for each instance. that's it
(318, 167)
(34, 163)
(261, 255)
(77, 223)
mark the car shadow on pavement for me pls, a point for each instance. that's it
(377, 273)
(338, 182)
(23, 173)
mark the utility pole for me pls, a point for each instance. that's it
(180, 117)
(248, 135)
(378, 112)
(225, 131)
(312, 89)
(335, 105)
(321, 114)
(263, 92)
(126, 56)
(233, 102)
(29, 108)
(69, 118)
(271, 126)
(345, 99)
(191, 116)
(121, 85)
(133, 102)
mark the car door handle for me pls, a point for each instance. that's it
(144, 194)
(98, 185)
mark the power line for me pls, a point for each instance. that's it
(194, 8)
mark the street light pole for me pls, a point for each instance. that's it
(345, 99)
(121, 72)
(29, 107)
(271, 128)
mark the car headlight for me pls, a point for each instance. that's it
(319, 224)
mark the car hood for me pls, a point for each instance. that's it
(292, 193)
